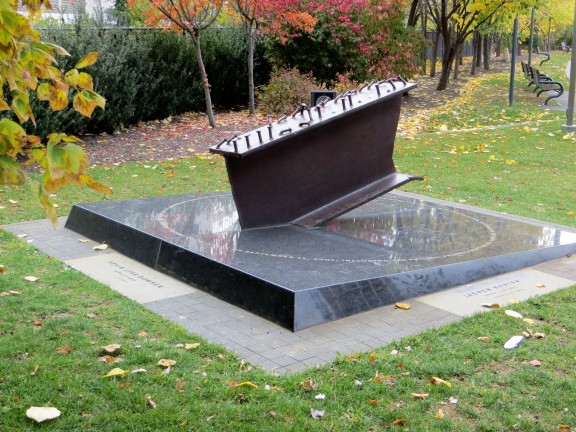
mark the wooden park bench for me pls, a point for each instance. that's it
(566, 48)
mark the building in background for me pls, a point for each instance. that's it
(66, 10)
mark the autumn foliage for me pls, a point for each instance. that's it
(364, 39)
(28, 65)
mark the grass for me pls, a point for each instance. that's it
(52, 330)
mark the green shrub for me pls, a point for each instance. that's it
(286, 90)
(149, 74)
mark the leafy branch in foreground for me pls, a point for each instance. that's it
(28, 65)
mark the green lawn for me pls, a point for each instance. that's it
(52, 330)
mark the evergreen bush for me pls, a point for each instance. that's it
(149, 74)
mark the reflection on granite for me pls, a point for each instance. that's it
(390, 249)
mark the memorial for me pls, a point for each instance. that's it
(310, 233)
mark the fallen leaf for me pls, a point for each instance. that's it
(83, 240)
(398, 421)
(453, 400)
(116, 372)
(490, 305)
(513, 314)
(150, 402)
(13, 292)
(40, 414)
(90, 315)
(139, 371)
(31, 278)
(528, 320)
(180, 385)
(513, 301)
(191, 346)
(539, 335)
(440, 381)
(316, 414)
(540, 285)
(110, 359)
(112, 348)
(38, 323)
(22, 236)
(394, 352)
(484, 339)
(439, 415)
(534, 362)
(65, 349)
(247, 384)
(320, 396)
(357, 383)
(372, 357)
(372, 401)
(309, 385)
(166, 363)
(564, 428)
(420, 395)
(101, 247)
(403, 306)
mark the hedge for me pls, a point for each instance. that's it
(149, 74)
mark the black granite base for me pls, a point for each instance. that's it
(393, 248)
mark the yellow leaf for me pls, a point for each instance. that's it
(439, 415)
(420, 395)
(247, 384)
(166, 363)
(404, 306)
(191, 346)
(116, 372)
(436, 380)
(484, 339)
(540, 285)
(88, 60)
(372, 357)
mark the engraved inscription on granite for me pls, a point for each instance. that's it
(520, 285)
(131, 278)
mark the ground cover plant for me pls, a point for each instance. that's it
(58, 327)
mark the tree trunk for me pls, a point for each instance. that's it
(498, 45)
(487, 46)
(457, 65)
(434, 55)
(423, 22)
(413, 15)
(450, 50)
(204, 78)
(476, 49)
(251, 44)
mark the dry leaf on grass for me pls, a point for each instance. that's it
(440, 381)
(316, 414)
(513, 314)
(116, 372)
(421, 396)
(112, 348)
(31, 278)
(166, 363)
(439, 414)
(40, 414)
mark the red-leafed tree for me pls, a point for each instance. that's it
(190, 16)
(362, 39)
(275, 17)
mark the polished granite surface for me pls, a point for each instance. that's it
(390, 249)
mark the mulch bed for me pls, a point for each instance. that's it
(190, 134)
